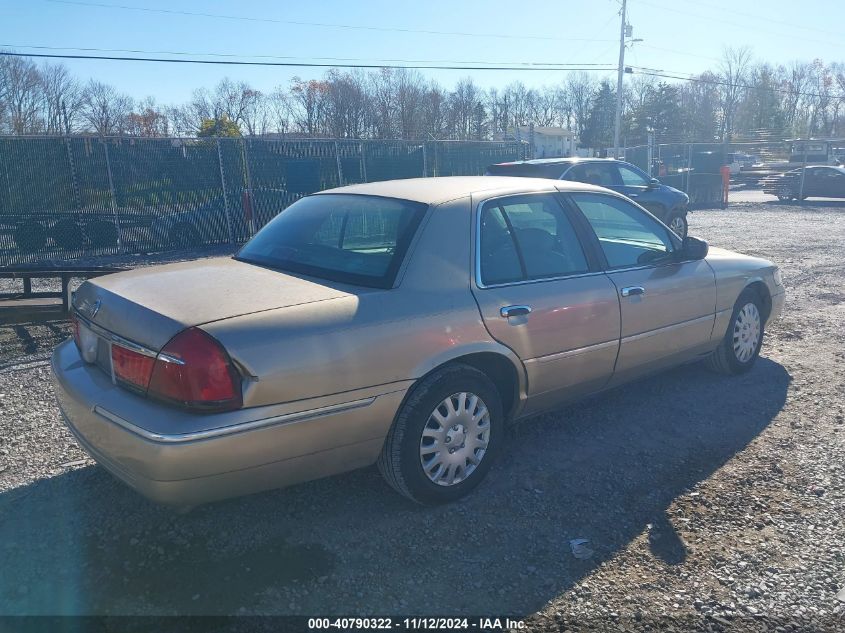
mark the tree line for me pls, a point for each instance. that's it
(739, 99)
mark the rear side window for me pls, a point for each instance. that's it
(527, 238)
(341, 237)
(527, 170)
(601, 174)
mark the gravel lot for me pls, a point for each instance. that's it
(700, 495)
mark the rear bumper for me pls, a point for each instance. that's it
(273, 449)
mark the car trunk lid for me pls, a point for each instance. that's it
(150, 305)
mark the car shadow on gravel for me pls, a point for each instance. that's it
(605, 470)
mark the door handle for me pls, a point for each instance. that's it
(632, 291)
(512, 311)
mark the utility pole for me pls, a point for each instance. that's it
(621, 70)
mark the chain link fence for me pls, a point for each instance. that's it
(89, 197)
(696, 168)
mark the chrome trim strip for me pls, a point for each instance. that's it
(114, 338)
(575, 352)
(287, 418)
(667, 328)
(167, 358)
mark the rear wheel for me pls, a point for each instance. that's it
(740, 347)
(445, 437)
(785, 194)
(30, 236)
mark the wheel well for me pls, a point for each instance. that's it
(498, 369)
(765, 297)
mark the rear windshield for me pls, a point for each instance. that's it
(341, 237)
(527, 170)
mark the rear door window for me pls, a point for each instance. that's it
(527, 238)
(601, 174)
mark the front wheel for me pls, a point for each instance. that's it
(678, 223)
(445, 437)
(740, 347)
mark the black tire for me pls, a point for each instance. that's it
(679, 218)
(67, 234)
(400, 459)
(101, 233)
(30, 236)
(184, 235)
(724, 358)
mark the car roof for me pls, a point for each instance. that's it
(562, 161)
(445, 188)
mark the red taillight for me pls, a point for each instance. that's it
(130, 367)
(194, 371)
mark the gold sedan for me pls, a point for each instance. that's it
(403, 323)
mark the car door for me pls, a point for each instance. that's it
(541, 293)
(811, 184)
(667, 305)
(635, 185)
(831, 183)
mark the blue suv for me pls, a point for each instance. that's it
(668, 204)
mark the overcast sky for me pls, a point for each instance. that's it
(685, 36)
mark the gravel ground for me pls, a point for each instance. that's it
(709, 503)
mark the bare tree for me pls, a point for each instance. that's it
(580, 89)
(733, 75)
(62, 99)
(409, 86)
(22, 93)
(308, 105)
(279, 110)
(105, 109)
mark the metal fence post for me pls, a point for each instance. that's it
(113, 198)
(76, 195)
(362, 146)
(225, 194)
(425, 160)
(803, 170)
(339, 166)
(248, 183)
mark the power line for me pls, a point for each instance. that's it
(721, 21)
(658, 73)
(296, 64)
(763, 18)
(292, 57)
(321, 24)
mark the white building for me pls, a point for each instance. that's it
(547, 142)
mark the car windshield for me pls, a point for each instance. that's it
(340, 237)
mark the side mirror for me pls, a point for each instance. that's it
(693, 249)
(653, 183)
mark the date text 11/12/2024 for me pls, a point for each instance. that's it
(418, 623)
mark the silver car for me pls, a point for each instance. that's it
(403, 323)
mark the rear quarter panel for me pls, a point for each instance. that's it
(369, 337)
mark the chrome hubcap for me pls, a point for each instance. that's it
(455, 439)
(677, 225)
(746, 335)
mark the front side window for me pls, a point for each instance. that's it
(340, 237)
(627, 235)
(631, 178)
(526, 238)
